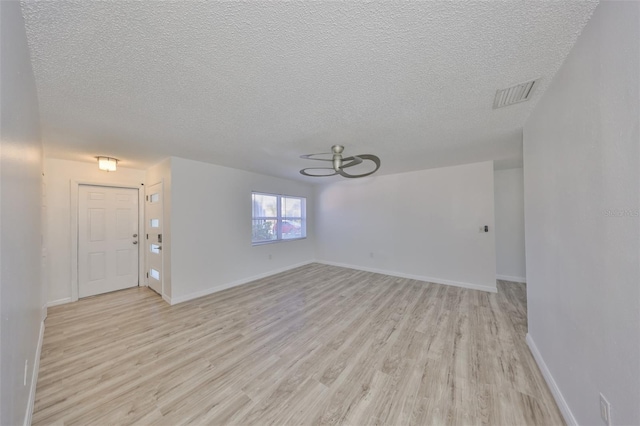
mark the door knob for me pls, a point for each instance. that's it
(135, 242)
(135, 235)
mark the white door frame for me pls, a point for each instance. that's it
(74, 188)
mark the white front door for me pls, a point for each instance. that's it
(107, 239)
(153, 238)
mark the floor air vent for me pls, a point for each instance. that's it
(514, 94)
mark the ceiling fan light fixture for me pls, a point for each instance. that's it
(339, 163)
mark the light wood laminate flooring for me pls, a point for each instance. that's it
(315, 345)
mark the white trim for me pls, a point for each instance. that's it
(471, 286)
(522, 280)
(34, 378)
(74, 187)
(206, 292)
(59, 302)
(553, 386)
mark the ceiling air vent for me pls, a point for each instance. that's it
(514, 94)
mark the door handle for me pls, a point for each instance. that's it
(135, 242)
(135, 235)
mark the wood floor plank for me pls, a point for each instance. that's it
(315, 345)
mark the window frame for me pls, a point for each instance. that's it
(280, 218)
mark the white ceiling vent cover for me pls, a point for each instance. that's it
(514, 94)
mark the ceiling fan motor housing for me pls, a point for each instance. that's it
(337, 157)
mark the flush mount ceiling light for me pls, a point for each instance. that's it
(339, 163)
(107, 164)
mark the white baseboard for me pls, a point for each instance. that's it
(34, 378)
(59, 302)
(512, 278)
(553, 386)
(471, 286)
(179, 299)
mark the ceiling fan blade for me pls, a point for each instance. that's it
(370, 157)
(311, 156)
(354, 161)
(329, 169)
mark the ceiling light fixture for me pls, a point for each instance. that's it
(339, 163)
(107, 164)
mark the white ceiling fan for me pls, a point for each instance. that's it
(339, 163)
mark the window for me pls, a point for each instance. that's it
(278, 217)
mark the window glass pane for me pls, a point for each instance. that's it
(264, 230)
(154, 223)
(276, 217)
(155, 248)
(154, 198)
(291, 228)
(154, 274)
(291, 207)
(265, 205)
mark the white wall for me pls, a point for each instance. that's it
(582, 183)
(509, 199)
(58, 175)
(21, 291)
(211, 228)
(422, 224)
(161, 172)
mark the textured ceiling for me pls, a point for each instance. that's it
(254, 85)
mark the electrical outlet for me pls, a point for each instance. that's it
(26, 369)
(605, 410)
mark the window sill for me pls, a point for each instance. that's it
(262, 243)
